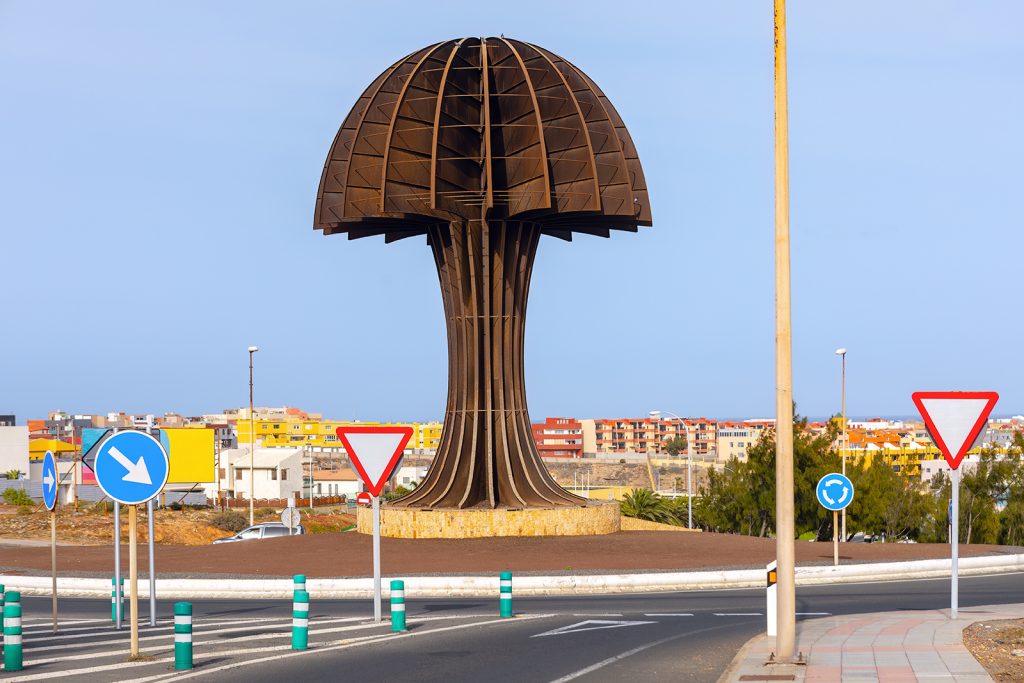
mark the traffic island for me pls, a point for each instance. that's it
(595, 519)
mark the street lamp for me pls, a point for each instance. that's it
(841, 352)
(252, 445)
(656, 414)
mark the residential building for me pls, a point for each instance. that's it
(341, 482)
(409, 475)
(322, 434)
(7, 420)
(277, 473)
(14, 449)
(560, 437)
(633, 435)
(734, 438)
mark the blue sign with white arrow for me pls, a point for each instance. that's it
(131, 467)
(49, 480)
(835, 492)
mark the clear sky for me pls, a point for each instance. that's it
(159, 165)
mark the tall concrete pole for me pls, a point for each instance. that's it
(785, 640)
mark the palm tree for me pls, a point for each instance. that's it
(646, 504)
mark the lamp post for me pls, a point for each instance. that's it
(252, 445)
(656, 414)
(842, 439)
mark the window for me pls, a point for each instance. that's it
(238, 475)
(251, 532)
(284, 475)
(220, 473)
(273, 475)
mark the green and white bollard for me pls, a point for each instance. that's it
(12, 633)
(113, 599)
(506, 594)
(300, 621)
(182, 636)
(300, 582)
(397, 606)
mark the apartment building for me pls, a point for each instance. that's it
(559, 437)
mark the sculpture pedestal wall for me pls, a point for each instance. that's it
(591, 520)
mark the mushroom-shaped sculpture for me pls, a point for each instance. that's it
(483, 145)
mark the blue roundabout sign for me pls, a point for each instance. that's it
(835, 492)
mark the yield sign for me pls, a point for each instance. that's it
(375, 452)
(955, 419)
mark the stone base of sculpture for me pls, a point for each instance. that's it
(395, 522)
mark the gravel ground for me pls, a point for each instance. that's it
(348, 554)
(993, 642)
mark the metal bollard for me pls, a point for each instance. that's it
(397, 606)
(300, 621)
(12, 633)
(506, 594)
(300, 582)
(113, 599)
(182, 636)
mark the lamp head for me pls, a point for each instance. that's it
(841, 352)
(655, 414)
(253, 349)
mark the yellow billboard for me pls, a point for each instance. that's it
(191, 454)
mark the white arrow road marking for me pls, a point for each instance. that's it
(590, 625)
(137, 471)
(48, 480)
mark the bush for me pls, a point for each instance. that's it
(17, 497)
(230, 521)
(264, 512)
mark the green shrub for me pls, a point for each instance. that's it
(17, 497)
(230, 521)
(264, 512)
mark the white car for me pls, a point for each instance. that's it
(264, 530)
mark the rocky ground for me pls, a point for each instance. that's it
(999, 647)
(93, 524)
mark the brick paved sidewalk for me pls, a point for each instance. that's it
(885, 646)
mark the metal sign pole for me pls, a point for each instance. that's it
(954, 541)
(835, 537)
(133, 575)
(376, 559)
(53, 563)
(118, 594)
(150, 509)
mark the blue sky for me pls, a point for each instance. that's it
(160, 164)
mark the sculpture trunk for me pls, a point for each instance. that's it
(487, 456)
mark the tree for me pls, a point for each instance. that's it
(13, 474)
(675, 445)
(646, 504)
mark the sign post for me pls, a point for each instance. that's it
(835, 493)
(291, 517)
(374, 453)
(955, 420)
(132, 468)
(50, 489)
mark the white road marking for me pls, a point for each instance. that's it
(629, 653)
(814, 614)
(667, 614)
(332, 648)
(739, 614)
(590, 625)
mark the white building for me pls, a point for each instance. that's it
(14, 449)
(409, 476)
(930, 468)
(277, 473)
(342, 482)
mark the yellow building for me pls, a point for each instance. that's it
(323, 433)
(904, 458)
(37, 448)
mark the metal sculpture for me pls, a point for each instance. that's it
(483, 145)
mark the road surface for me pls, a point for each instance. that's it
(668, 636)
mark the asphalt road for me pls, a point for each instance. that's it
(667, 636)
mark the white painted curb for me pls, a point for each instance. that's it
(486, 586)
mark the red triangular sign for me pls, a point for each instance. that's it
(374, 452)
(955, 419)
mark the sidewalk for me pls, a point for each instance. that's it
(885, 646)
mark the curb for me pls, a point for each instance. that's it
(484, 586)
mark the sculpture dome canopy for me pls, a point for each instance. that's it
(482, 128)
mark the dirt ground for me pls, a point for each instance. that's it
(349, 554)
(93, 524)
(992, 644)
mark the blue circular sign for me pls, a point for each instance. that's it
(835, 492)
(131, 467)
(49, 481)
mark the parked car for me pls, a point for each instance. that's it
(264, 530)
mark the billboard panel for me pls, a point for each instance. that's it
(191, 454)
